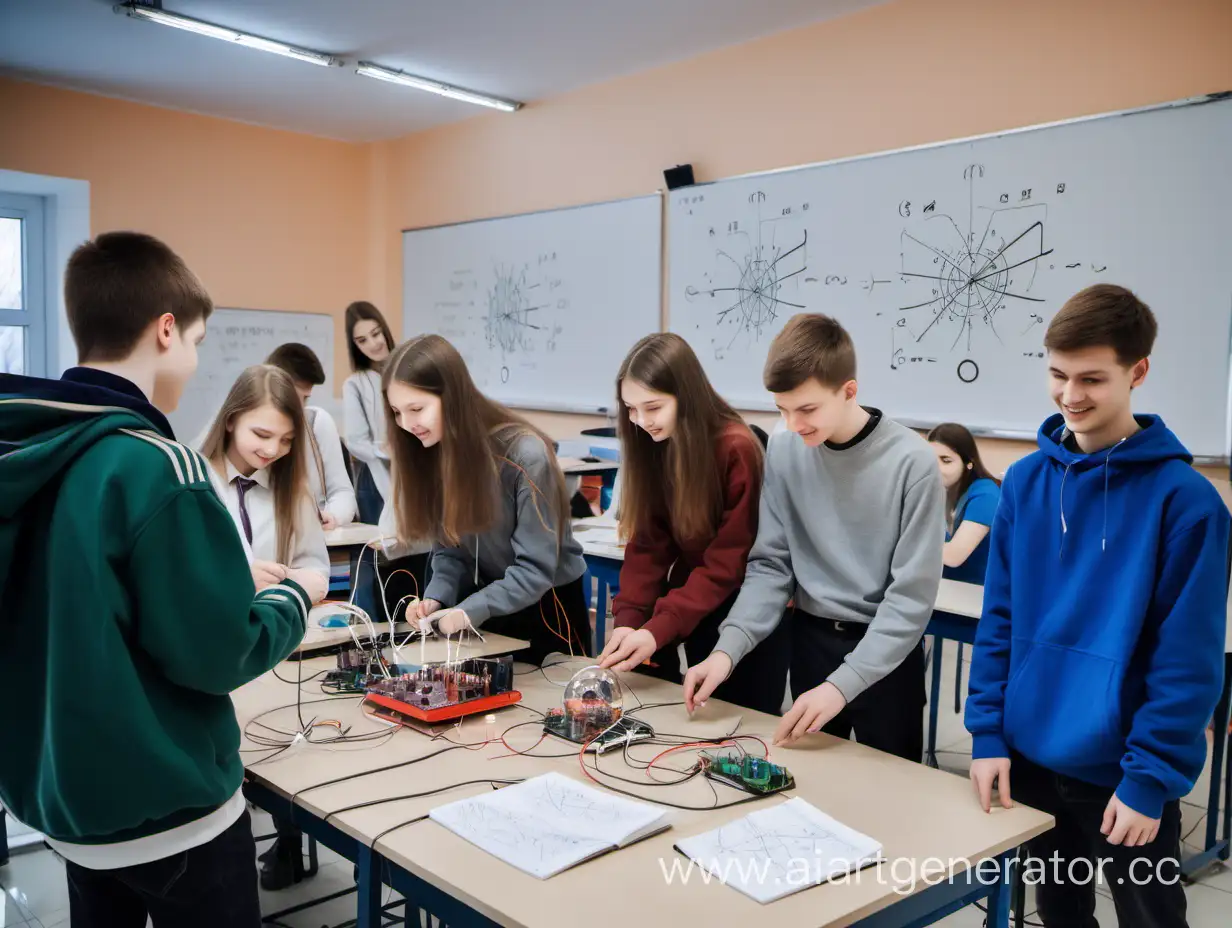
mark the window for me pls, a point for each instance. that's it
(23, 327)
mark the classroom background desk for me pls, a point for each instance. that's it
(604, 557)
(917, 813)
(346, 545)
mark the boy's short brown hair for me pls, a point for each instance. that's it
(810, 345)
(1104, 315)
(300, 361)
(117, 285)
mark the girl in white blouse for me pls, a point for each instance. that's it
(265, 487)
(369, 343)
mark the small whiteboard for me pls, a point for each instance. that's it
(239, 338)
(543, 306)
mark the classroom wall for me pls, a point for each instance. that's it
(268, 219)
(899, 74)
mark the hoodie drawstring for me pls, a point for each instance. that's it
(1064, 527)
(1103, 542)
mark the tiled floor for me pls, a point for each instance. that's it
(34, 894)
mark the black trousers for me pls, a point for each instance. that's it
(558, 622)
(889, 715)
(207, 887)
(758, 682)
(1144, 881)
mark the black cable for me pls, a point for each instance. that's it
(418, 818)
(431, 792)
(649, 781)
(673, 805)
(364, 773)
(315, 676)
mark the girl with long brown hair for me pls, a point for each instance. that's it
(254, 448)
(483, 486)
(971, 497)
(691, 474)
(369, 343)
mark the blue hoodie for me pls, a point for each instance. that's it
(1100, 651)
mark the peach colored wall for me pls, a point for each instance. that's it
(267, 219)
(277, 220)
(899, 74)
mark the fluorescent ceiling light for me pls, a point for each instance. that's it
(187, 23)
(368, 69)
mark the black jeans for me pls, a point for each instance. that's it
(1144, 881)
(207, 887)
(758, 682)
(889, 715)
(558, 622)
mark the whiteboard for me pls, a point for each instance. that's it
(945, 263)
(239, 338)
(543, 306)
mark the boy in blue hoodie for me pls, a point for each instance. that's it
(1099, 656)
(130, 611)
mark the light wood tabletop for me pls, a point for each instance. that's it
(357, 533)
(917, 813)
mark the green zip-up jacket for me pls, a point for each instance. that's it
(127, 616)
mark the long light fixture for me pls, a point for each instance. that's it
(368, 69)
(187, 23)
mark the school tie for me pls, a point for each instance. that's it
(242, 486)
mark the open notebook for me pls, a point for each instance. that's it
(781, 850)
(549, 823)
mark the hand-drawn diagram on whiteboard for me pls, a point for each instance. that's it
(756, 277)
(974, 273)
(517, 310)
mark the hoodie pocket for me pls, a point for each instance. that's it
(1063, 708)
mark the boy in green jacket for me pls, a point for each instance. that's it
(130, 612)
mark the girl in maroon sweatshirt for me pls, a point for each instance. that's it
(691, 476)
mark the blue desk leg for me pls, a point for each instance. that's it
(958, 681)
(1216, 847)
(999, 898)
(934, 701)
(369, 914)
(600, 615)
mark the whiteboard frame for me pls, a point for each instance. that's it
(551, 209)
(535, 405)
(983, 432)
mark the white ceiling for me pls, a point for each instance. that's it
(521, 49)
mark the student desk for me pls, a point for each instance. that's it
(351, 540)
(272, 786)
(604, 558)
(956, 615)
(916, 812)
(576, 466)
(317, 638)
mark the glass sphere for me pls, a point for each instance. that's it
(593, 701)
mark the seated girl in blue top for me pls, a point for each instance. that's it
(972, 494)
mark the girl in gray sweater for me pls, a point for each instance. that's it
(482, 485)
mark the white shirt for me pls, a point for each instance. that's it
(364, 419)
(337, 496)
(309, 552)
(153, 847)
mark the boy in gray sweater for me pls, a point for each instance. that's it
(852, 527)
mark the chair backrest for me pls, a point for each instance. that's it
(761, 434)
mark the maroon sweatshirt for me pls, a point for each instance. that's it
(703, 572)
